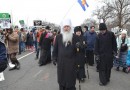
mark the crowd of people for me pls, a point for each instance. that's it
(69, 50)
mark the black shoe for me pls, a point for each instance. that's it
(117, 69)
(82, 79)
(41, 64)
(101, 84)
(13, 68)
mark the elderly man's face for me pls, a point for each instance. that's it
(67, 28)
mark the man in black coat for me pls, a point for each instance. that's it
(64, 54)
(45, 46)
(105, 48)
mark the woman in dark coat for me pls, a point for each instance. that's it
(80, 55)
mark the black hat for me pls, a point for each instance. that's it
(55, 30)
(102, 26)
(86, 27)
(77, 28)
(48, 28)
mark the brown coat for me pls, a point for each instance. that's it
(13, 43)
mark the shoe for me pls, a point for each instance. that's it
(41, 64)
(13, 68)
(82, 79)
(101, 84)
(117, 69)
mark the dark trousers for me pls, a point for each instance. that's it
(13, 59)
(64, 88)
(90, 57)
(20, 47)
(104, 75)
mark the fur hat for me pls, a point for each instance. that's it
(102, 26)
(77, 28)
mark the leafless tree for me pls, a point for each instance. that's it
(103, 13)
(120, 11)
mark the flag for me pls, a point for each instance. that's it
(83, 3)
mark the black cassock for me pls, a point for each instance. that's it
(66, 63)
(104, 47)
(45, 53)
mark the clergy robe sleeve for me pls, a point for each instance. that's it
(114, 43)
(55, 50)
(96, 48)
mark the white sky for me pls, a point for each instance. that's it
(49, 10)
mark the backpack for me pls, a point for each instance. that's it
(3, 57)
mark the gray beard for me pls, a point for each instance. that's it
(67, 37)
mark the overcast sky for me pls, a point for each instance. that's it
(50, 10)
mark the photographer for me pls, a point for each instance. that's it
(80, 55)
(12, 39)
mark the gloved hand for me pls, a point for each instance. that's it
(97, 58)
(54, 62)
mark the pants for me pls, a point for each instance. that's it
(90, 57)
(104, 75)
(20, 47)
(13, 59)
(36, 45)
(64, 88)
(38, 50)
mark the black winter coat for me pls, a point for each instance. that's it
(105, 47)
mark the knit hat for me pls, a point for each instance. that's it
(102, 26)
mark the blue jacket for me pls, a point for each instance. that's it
(3, 51)
(90, 39)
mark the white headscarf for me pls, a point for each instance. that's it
(124, 32)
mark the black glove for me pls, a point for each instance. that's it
(54, 63)
(78, 45)
(97, 58)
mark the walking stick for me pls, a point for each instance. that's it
(79, 85)
(87, 65)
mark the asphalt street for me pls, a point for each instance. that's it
(33, 77)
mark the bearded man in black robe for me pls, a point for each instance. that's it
(64, 54)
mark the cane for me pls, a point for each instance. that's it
(79, 79)
(86, 65)
(79, 85)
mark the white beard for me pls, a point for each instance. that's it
(67, 37)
